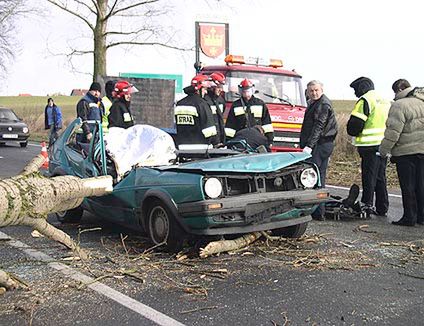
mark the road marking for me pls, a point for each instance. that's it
(344, 188)
(124, 300)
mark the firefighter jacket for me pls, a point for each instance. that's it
(319, 123)
(89, 107)
(375, 121)
(248, 114)
(217, 105)
(120, 114)
(107, 103)
(194, 120)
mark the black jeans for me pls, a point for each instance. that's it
(320, 156)
(410, 170)
(374, 179)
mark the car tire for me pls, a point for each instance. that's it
(162, 227)
(24, 144)
(70, 216)
(294, 231)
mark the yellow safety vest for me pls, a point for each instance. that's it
(107, 105)
(375, 122)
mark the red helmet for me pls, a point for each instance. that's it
(218, 78)
(246, 84)
(122, 87)
(199, 81)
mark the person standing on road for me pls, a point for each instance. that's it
(366, 124)
(217, 104)
(319, 130)
(89, 107)
(247, 112)
(120, 112)
(403, 141)
(52, 120)
(193, 117)
(107, 103)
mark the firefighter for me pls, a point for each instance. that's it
(107, 102)
(367, 123)
(248, 111)
(120, 113)
(89, 107)
(217, 104)
(193, 117)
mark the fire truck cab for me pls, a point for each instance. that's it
(280, 89)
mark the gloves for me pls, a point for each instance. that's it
(307, 150)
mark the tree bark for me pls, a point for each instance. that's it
(229, 245)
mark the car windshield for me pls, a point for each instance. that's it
(271, 88)
(7, 114)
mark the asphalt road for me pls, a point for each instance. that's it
(343, 273)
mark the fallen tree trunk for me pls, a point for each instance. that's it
(229, 245)
(27, 198)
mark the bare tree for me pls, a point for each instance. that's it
(115, 23)
(9, 11)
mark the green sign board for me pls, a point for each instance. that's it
(178, 78)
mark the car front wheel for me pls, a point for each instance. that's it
(294, 231)
(163, 228)
(70, 216)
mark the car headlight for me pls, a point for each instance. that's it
(213, 187)
(25, 130)
(309, 178)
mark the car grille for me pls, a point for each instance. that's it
(283, 180)
(289, 139)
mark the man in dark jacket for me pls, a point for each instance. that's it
(90, 107)
(120, 113)
(217, 104)
(248, 111)
(193, 117)
(319, 130)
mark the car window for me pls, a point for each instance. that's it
(6, 114)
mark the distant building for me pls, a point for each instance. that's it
(24, 94)
(79, 92)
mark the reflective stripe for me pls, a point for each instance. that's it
(268, 128)
(213, 108)
(238, 110)
(185, 109)
(208, 132)
(256, 111)
(93, 105)
(360, 116)
(368, 140)
(127, 117)
(373, 131)
(222, 107)
(287, 125)
(194, 146)
(230, 132)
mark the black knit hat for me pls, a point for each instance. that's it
(362, 85)
(95, 86)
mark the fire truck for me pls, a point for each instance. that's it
(281, 90)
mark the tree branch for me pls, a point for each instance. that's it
(148, 43)
(132, 6)
(63, 7)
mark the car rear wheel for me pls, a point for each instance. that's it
(70, 216)
(294, 231)
(163, 227)
(24, 144)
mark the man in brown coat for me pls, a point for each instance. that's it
(403, 140)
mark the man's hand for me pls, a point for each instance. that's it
(89, 136)
(307, 150)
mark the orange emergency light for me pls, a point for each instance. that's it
(255, 61)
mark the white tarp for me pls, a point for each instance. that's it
(141, 145)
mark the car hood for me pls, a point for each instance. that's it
(11, 123)
(247, 163)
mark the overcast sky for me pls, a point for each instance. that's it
(332, 41)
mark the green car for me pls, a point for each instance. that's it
(199, 193)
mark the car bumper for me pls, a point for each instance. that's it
(249, 213)
(20, 137)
